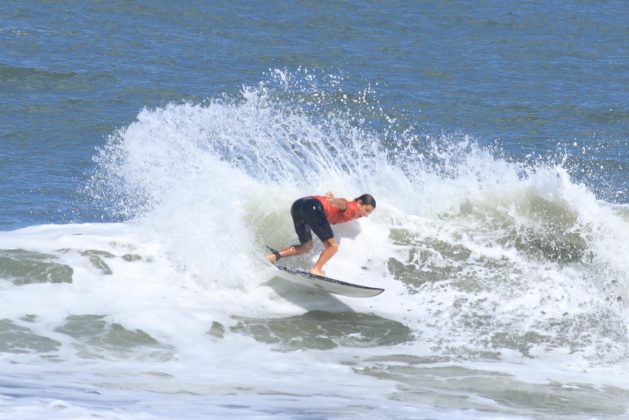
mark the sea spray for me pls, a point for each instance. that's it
(216, 179)
(491, 266)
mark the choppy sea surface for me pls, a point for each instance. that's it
(149, 151)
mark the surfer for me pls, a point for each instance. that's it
(317, 213)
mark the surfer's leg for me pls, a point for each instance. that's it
(291, 251)
(299, 211)
(321, 227)
(331, 247)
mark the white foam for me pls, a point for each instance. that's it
(215, 175)
(208, 185)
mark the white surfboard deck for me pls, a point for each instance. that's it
(327, 284)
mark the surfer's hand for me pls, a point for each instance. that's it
(338, 202)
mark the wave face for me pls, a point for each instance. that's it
(490, 265)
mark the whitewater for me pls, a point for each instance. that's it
(505, 281)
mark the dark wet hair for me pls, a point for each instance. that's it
(366, 200)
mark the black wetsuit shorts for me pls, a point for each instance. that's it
(308, 214)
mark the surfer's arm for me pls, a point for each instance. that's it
(338, 202)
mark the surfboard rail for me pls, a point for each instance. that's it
(328, 284)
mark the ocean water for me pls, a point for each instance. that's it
(150, 150)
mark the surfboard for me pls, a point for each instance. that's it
(327, 284)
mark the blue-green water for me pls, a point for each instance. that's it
(494, 134)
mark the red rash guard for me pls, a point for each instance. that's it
(334, 214)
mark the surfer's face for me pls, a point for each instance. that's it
(364, 210)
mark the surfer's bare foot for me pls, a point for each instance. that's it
(317, 272)
(271, 258)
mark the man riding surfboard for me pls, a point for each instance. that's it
(317, 213)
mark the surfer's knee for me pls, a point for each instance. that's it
(302, 248)
(331, 243)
